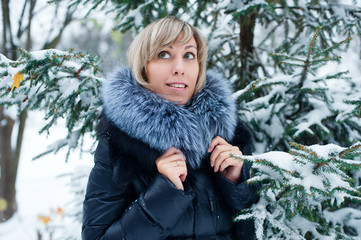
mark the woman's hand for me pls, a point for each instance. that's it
(222, 161)
(173, 166)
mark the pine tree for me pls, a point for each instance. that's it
(62, 84)
(302, 106)
(302, 193)
(235, 47)
(210, 16)
(66, 84)
(18, 32)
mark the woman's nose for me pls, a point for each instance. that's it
(178, 67)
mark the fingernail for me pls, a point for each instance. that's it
(212, 164)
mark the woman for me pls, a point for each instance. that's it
(162, 166)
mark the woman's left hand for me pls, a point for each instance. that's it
(222, 161)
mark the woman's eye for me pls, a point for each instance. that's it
(164, 55)
(189, 55)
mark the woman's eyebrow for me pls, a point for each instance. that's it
(186, 47)
(190, 46)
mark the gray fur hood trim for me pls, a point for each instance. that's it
(162, 124)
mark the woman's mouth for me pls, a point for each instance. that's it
(177, 85)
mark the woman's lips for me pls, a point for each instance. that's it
(177, 86)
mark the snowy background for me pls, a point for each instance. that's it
(43, 185)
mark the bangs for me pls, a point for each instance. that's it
(185, 35)
(179, 34)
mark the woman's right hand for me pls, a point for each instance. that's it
(172, 165)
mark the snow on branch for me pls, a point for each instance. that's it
(301, 186)
(63, 84)
(301, 107)
(256, 85)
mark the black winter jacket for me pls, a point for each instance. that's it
(127, 198)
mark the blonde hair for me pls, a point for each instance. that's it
(164, 32)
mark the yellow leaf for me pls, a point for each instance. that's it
(3, 204)
(18, 77)
(60, 211)
(44, 219)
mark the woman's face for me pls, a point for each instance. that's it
(173, 72)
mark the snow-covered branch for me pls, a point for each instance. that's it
(304, 185)
(63, 84)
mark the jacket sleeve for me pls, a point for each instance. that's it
(242, 195)
(238, 196)
(112, 212)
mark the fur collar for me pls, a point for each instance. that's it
(162, 124)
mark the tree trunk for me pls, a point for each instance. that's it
(9, 161)
(248, 71)
(10, 156)
(8, 48)
(8, 204)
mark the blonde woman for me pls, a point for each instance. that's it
(162, 166)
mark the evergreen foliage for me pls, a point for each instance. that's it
(62, 84)
(351, 114)
(300, 107)
(308, 193)
(302, 190)
(235, 48)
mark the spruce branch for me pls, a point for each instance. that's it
(315, 177)
(312, 44)
(292, 64)
(325, 60)
(351, 152)
(64, 84)
(256, 85)
(286, 57)
(328, 50)
(302, 148)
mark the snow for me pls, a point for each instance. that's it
(42, 185)
(241, 6)
(3, 122)
(301, 173)
(68, 86)
(352, 215)
(136, 14)
(327, 150)
(285, 166)
(280, 159)
(11, 112)
(314, 117)
(38, 55)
